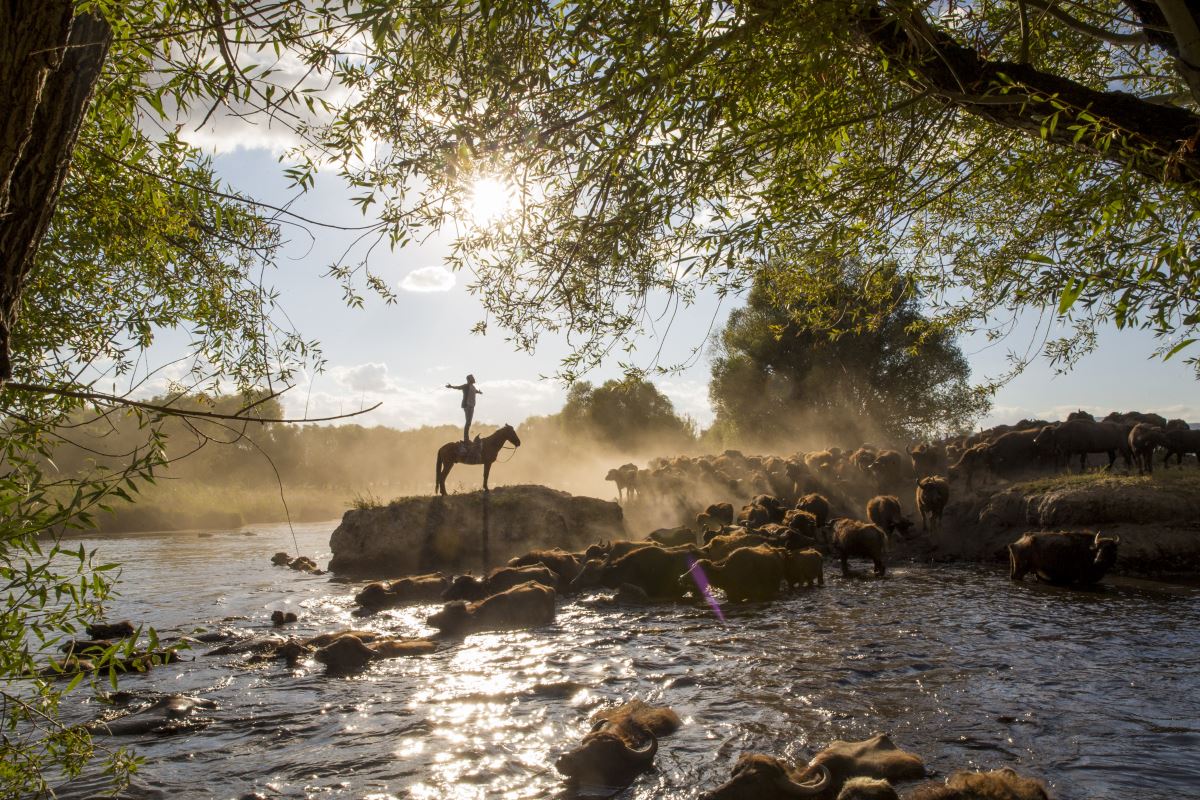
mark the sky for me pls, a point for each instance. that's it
(402, 355)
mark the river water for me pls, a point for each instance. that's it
(1096, 693)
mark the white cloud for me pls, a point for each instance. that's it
(428, 279)
(690, 398)
(366, 377)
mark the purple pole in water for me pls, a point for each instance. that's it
(702, 584)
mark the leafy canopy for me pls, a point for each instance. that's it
(1009, 155)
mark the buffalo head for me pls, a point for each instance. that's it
(591, 575)
(1106, 551)
(609, 757)
(756, 776)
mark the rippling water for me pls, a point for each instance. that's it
(1097, 693)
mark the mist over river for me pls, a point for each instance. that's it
(1098, 693)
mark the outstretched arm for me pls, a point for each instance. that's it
(460, 388)
(479, 391)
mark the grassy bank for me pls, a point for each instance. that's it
(1185, 481)
(187, 505)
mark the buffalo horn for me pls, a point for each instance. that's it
(807, 789)
(1096, 541)
(645, 754)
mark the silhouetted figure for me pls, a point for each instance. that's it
(468, 403)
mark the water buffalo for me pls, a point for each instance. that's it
(927, 459)
(468, 587)
(1181, 441)
(564, 564)
(652, 569)
(1014, 452)
(933, 493)
(762, 777)
(612, 550)
(348, 654)
(884, 511)
(749, 574)
(525, 606)
(722, 545)
(888, 468)
(116, 630)
(1000, 784)
(855, 539)
(774, 506)
(626, 479)
(804, 567)
(970, 465)
(1064, 558)
(1081, 437)
(862, 459)
(718, 514)
(802, 522)
(171, 714)
(753, 515)
(672, 537)
(816, 505)
(620, 746)
(1131, 418)
(1143, 438)
(378, 596)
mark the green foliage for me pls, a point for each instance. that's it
(783, 372)
(669, 147)
(625, 414)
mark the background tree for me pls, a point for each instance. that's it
(630, 415)
(890, 377)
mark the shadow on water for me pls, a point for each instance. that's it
(1096, 692)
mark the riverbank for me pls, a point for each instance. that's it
(1157, 518)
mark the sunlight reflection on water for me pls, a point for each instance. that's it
(957, 664)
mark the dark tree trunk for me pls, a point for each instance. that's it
(49, 64)
(1158, 141)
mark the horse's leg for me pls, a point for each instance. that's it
(445, 474)
(487, 468)
(437, 475)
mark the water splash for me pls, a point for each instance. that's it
(697, 573)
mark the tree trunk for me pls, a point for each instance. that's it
(50, 61)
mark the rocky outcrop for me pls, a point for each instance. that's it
(1158, 522)
(464, 532)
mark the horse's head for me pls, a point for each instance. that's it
(510, 435)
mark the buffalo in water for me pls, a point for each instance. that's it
(884, 511)
(620, 746)
(468, 587)
(525, 606)
(1000, 784)
(855, 539)
(564, 564)
(652, 569)
(747, 574)
(762, 777)
(1063, 558)
(378, 596)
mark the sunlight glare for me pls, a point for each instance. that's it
(490, 199)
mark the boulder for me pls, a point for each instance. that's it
(463, 532)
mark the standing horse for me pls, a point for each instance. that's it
(450, 454)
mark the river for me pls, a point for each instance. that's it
(1098, 693)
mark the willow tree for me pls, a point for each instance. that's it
(112, 230)
(1011, 154)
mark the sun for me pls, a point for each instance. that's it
(489, 200)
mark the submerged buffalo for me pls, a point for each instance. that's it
(1065, 558)
(747, 574)
(762, 777)
(468, 587)
(378, 596)
(564, 564)
(652, 569)
(525, 606)
(1000, 784)
(620, 746)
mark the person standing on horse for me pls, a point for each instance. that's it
(468, 403)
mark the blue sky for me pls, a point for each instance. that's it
(403, 354)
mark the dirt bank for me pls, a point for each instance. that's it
(1158, 520)
(471, 531)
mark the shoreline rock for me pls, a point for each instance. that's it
(471, 531)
